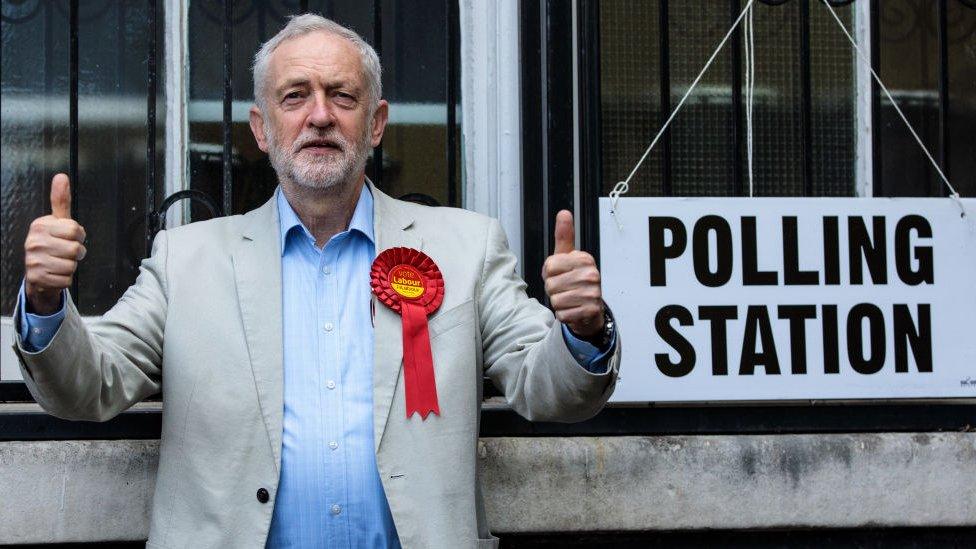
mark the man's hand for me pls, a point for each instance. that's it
(52, 251)
(573, 283)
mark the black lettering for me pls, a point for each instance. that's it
(723, 250)
(718, 315)
(757, 321)
(751, 275)
(831, 350)
(903, 251)
(920, 338)
(872, 249)
(798, 315)
(686, 353)
(831, 250)
(872, 363)
(661, 252)
(792, 275)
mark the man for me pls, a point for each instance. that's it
(286, 420)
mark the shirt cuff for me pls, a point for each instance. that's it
(589, 356)
(37, 331)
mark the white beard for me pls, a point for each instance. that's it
(318, 172)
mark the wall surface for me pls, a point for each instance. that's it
(100, 490)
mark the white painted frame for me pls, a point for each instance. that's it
(491, 114)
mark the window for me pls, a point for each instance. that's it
(84, 91)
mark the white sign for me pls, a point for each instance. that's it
(784, 298)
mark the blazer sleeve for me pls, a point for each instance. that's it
(524, 352)
(95, 370)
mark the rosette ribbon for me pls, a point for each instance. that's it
(409, 282)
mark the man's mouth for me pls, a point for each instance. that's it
(322, 146)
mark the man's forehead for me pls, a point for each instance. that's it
(318, 52)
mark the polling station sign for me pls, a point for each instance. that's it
(722, 299)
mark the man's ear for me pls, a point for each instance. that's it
(379, 122)
(257, 127)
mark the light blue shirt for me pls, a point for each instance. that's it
(329, 493)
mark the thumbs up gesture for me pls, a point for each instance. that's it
(52, 251)
(573, 283)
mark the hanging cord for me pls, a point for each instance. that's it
(748, 28)
(623, 186)
(864, 59)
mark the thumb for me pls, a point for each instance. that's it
(61, 197)
(565, 233)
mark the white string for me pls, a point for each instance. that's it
(622, 187)
(748, 28)
(864, 59)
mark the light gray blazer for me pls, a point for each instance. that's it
(205, 316)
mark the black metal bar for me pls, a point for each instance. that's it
(303, 6)
(228, 176)
(806, 100)
(943, 93)
(450, 101)
(151, 127)
(877, 188)
(532, 101)
(590, 125)
(378, 46)
(561, 115)
(664, 50)
(73, 126)
(736, 96)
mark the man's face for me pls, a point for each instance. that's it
(317, 126)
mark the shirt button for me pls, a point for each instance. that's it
(336, 509)
(329, 326)
(333, 445)
(326, 270)
(330, 384)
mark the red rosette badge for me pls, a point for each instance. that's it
(409, 282)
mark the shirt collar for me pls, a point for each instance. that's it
(362, 217)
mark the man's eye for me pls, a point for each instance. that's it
(293, 95)
(345, 98)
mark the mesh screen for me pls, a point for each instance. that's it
(702, 153)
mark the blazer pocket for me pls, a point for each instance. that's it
(444, 321)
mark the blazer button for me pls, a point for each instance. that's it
(262, 495)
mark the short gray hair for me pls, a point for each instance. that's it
(300, 25)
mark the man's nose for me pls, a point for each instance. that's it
(321, 115)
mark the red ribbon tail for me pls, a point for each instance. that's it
(418, 361)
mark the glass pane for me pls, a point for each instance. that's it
(629, 93)
(34, 140)
(414, 61)
(909, 48)
(112, 78)
(962, 96)
(833, 99)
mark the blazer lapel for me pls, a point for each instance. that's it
(392, 228)
(257, 272)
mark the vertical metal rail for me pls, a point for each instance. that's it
(378, 46)
(943, 92)
(151, 127)
(806, 100)
(736, 96)
(588, 38)
(876, 123)
(228, 179)
(73, 124)
(664, 47)
(450, 102)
